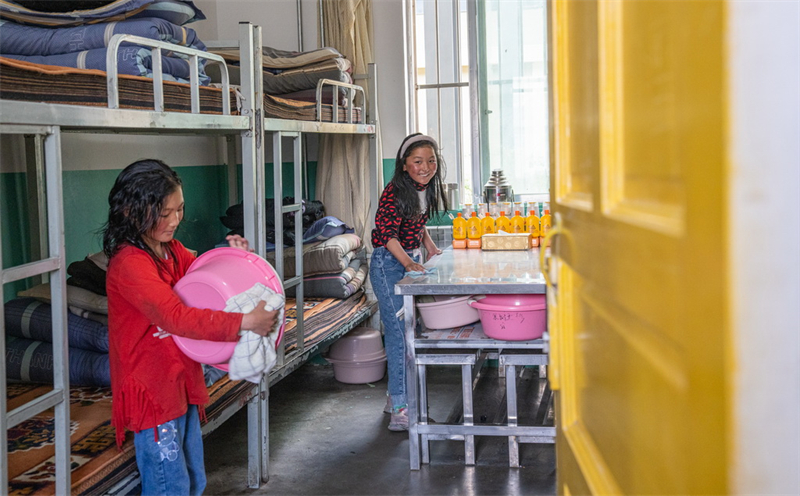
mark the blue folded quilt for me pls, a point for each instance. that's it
(28, 360)
(32, 319)
(325, 228)
(132, 60)
(84, 47)
(18, 39)
(61, 13)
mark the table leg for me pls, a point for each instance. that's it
(423, 411)
(409, 313)
(466, 388)
(511, 409)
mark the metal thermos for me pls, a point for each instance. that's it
(451, 192)
(497, 189)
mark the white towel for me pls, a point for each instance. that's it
(254, 355)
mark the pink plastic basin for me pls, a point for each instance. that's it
(447, 312)
(358, 372)
(512, 317)
(213, 279)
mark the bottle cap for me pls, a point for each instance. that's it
(474, 213)
(502, 212)
(516, 212)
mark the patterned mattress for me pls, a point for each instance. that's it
(27, 81)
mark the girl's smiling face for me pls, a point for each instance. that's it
(421, 164)
(169, 218)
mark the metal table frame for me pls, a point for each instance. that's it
(465, 272)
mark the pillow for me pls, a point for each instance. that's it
(325, 228)
(31, 319)
(175, 11)
(56, 13)
(28, 360)
(76, 297)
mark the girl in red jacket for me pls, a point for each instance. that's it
(157, 390)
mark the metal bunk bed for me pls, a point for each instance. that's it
(254, 217)
(46, 122)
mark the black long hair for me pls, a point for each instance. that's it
(406, 197)
(135, 203)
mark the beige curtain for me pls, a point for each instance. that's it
(343, 167)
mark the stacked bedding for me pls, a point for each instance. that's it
(29, 332)
(291, 79)
(79, 39)
(334, 268)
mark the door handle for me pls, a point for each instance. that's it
(551, 339)
(544, 261)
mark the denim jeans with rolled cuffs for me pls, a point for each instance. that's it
(170, 457)
(384, 272)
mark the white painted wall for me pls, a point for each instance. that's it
(764, 48)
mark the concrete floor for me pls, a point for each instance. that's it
(330, 438)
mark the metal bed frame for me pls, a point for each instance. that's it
(46, 122)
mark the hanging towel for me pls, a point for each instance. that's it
(254, 355)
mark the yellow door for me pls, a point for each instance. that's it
(637, 316)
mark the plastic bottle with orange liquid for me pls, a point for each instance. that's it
(532, 227)
(459, 232)
(474, 231)
(503, 223)
(544, 224)
(517, 223)
(487, 224)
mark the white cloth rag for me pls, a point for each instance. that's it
(254, 355)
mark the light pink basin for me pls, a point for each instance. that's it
(212, 279)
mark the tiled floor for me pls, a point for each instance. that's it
(331, 438)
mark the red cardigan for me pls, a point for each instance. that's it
(152, 381)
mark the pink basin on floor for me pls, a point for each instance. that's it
(211, 280)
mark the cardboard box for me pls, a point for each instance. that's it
(474, 243)
(506, 241)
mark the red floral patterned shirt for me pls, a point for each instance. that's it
(390, 224)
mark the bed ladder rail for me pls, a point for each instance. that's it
(336, 85)
(194, 55)
(54, 265)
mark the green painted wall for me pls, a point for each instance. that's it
(86, 209)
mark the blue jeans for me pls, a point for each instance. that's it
(172, 463)
(384, 272)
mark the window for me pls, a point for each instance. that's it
(506, 107)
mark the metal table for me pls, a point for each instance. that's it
(466, 272)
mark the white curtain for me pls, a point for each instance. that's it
(343, 166)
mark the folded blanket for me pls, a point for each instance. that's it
(19, 39)
(32, 319)
(61, 13)
(28, 360)
(254, 355)
(132, 60)
(272, 58)
(277, 82)
(87, 275)
(339, 285)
